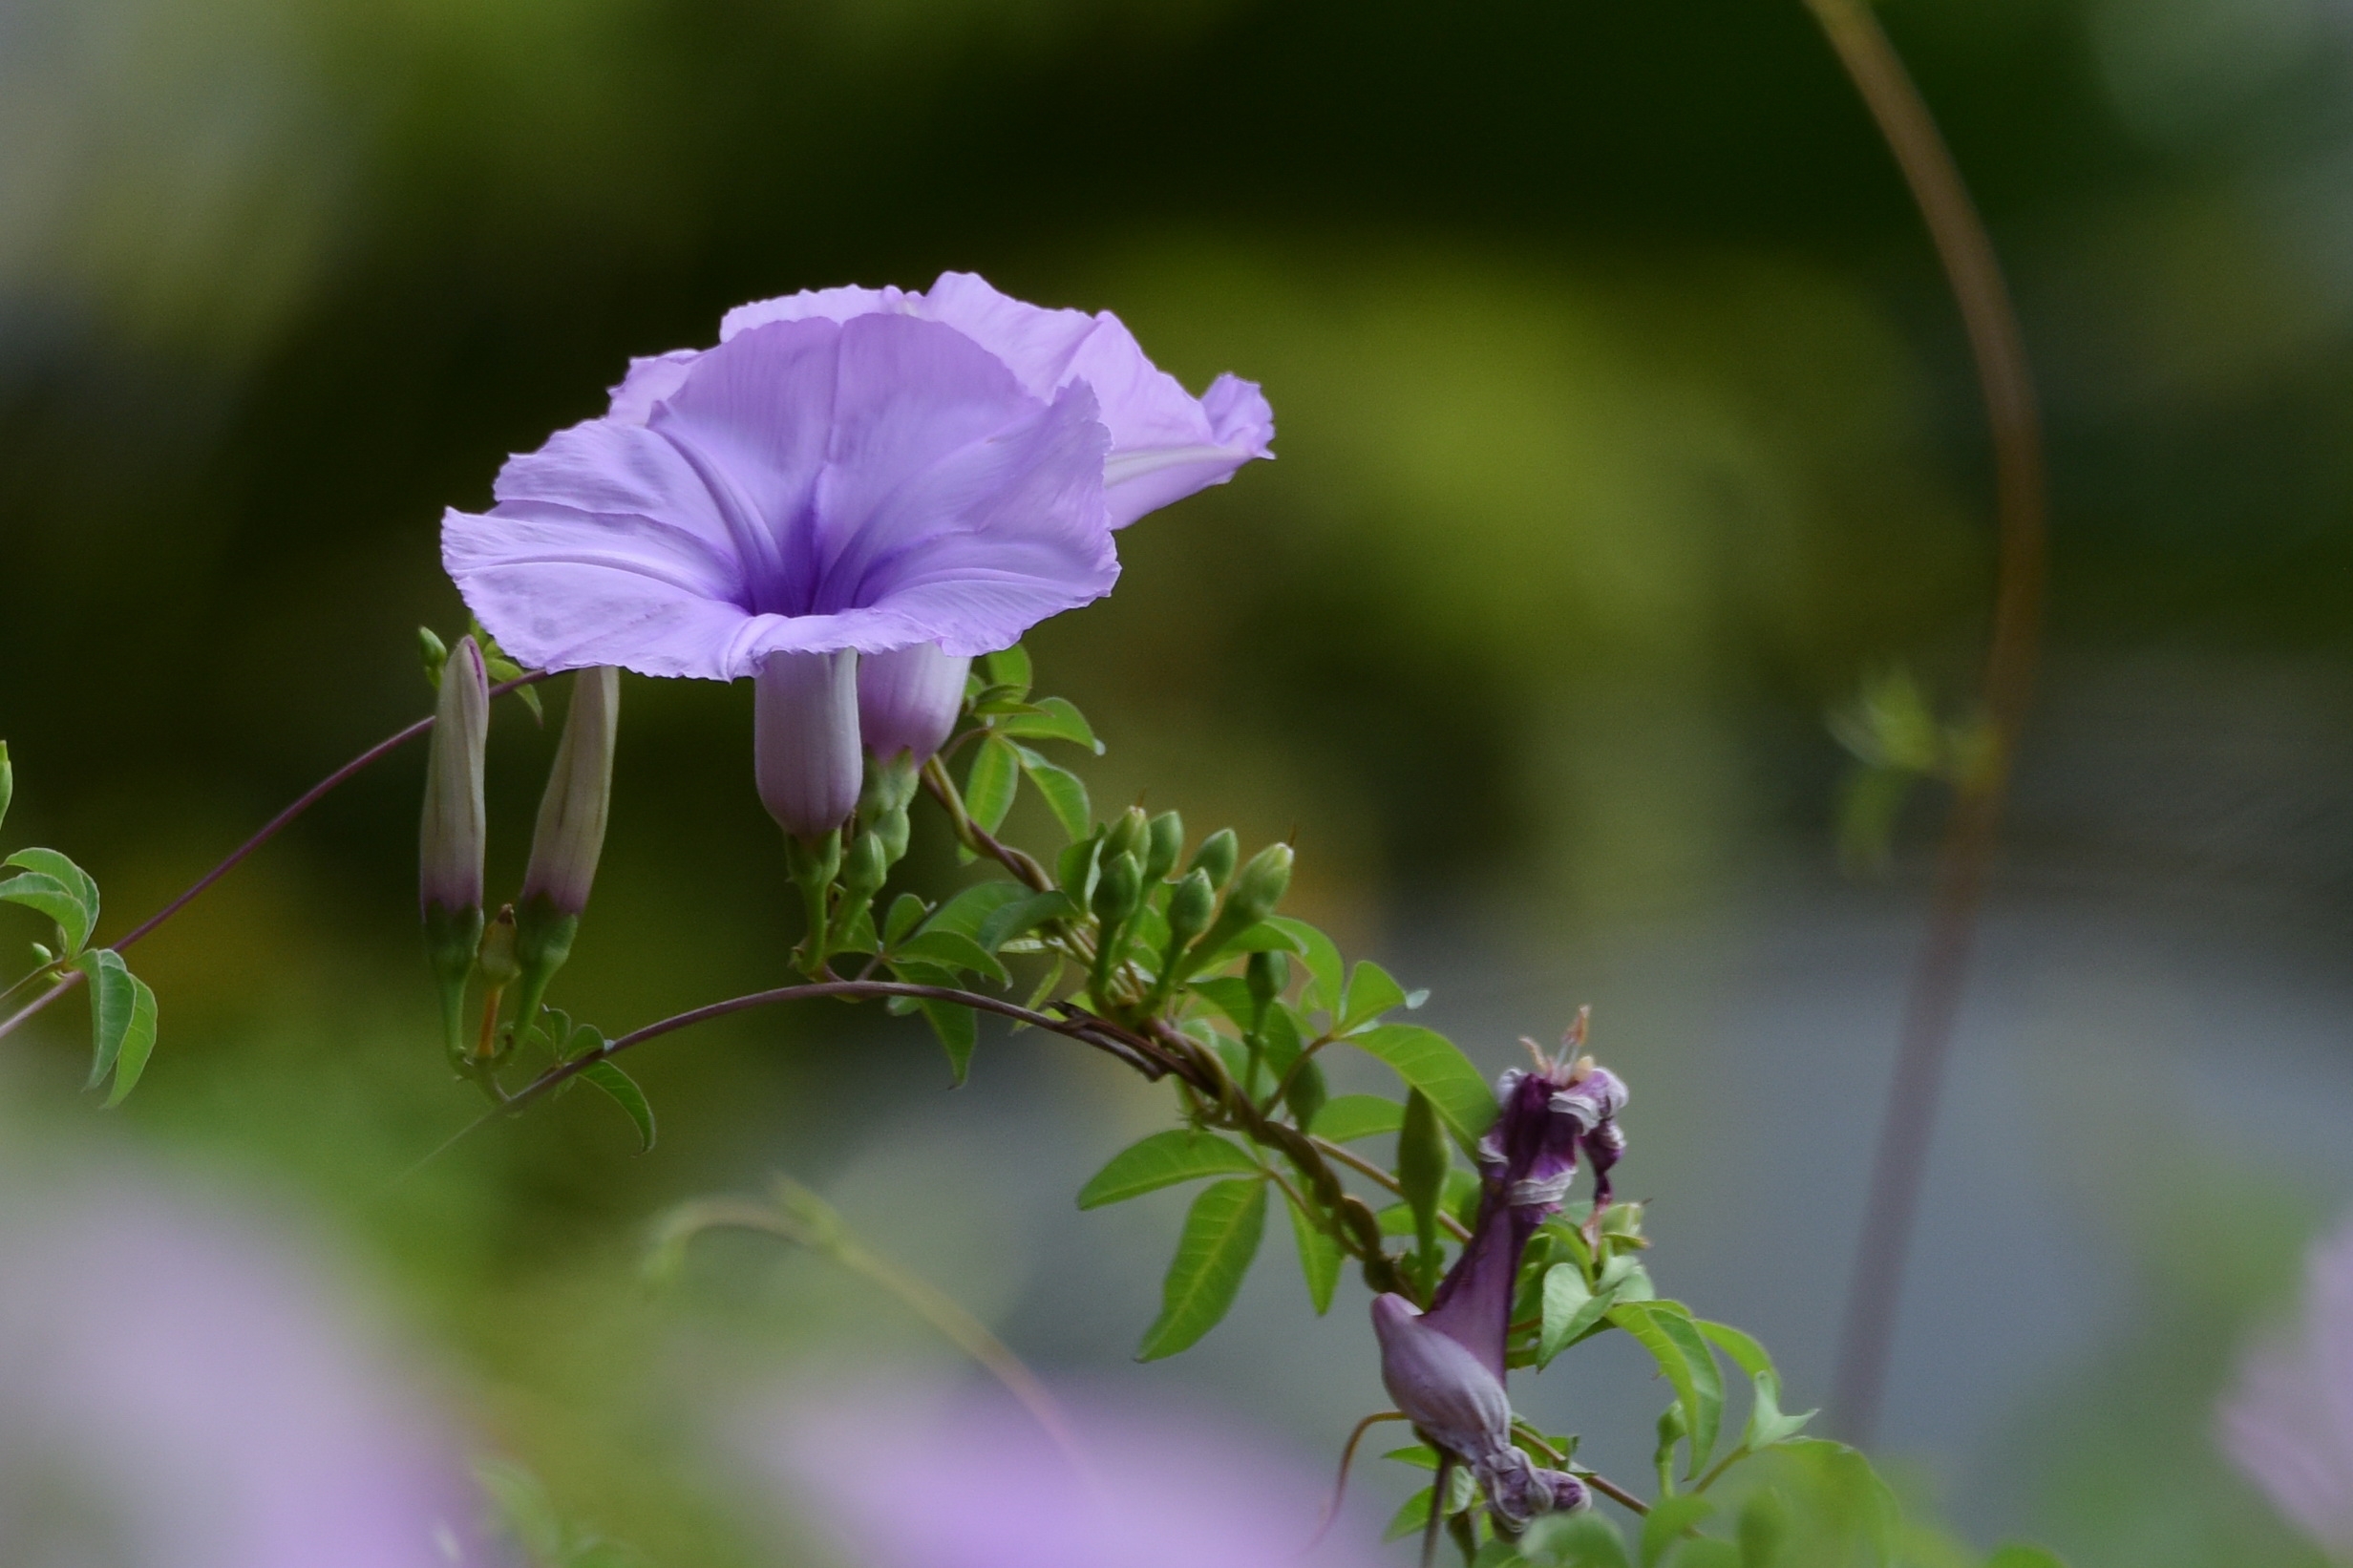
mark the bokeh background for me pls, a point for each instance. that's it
(1624, 426)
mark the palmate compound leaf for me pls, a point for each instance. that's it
(1430, 1062)
(1664, 1329)
(53, 885)
(627, 1096)
(1163, 1160)
(1221, 1236)
(123, 1022)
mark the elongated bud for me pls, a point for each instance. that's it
(1306, 1091)
(1164, 840)
(569, 838)
(450, 840)
(434, 652)
(8, 781)
(1217, 856)
(804, 740)
(1118, 892)
(1266, 974)
(908, 699)
(1262, 884)
(1421, 1161)
(1190, 908)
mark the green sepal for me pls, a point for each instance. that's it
(452, 937)
(543, 943)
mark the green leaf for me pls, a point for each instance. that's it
(1065, 796)
(1745, 1352)
(959, 1030)
(52, 885)
(1265, 937)
(1371, 993)
(1319, 1258)
(1279, 1040)
(1669, 1519)
(1461, 1486)
(1573, 1540)
(1230, 995)
(1077, 868)
(953, 949)
(1683, 1356)
(1764, 1528)
(1428, 1061)
(1499, 1552)
(1708, 1552)
(1327, 969)
(627, 1096)
(1420, 1455)
(1022, 916)
(1054, 718)
(8, 781)
(1221, 1236)
(969, 910)
(1162, 1161)
(1353, 1116)
(1766, 1425)
(112, 1001)
(1423, 1159)
(1571, 1307)
(989, 787)
(2015, 1555)
(1009, 666)
(906, 913)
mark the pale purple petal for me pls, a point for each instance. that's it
(908, 699)
(178, 1379)
(2288, 1422)
(649, 381)
(973, 1482)
(804, 740)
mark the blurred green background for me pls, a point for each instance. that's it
(1624, 424)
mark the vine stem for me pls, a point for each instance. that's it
(268, 829)
(1933, 997)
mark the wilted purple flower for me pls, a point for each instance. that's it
(850, 470)
(975, 1483)
(1445, 1367)
(2288, 1422)
(177, 1391)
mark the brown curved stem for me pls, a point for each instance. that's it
(1933, 1001)
(268, 829)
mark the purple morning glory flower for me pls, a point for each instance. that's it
(2288, 1422)
(1445, 1367)
(850, 470)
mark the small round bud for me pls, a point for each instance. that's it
(1217, 856)
(1267, 976)
(1118, 891)
(1191, 907)
(1164, 840)
(1127, 834)
(865, 867)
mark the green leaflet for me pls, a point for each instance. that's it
(906, 913)
(54, 886)
(1428, 1061)
(1009, 666)
(123, 1022)
(1353, 1116)
(1065, 796)
(1666, 1330)
(1050, 718)
(990, 785)
(1220, 1238)
(1575, 1541)
(1571, 1307)
(971, 909)
(1371, 993)
(627, 1096)
(1669, 1519)
(1326, 970)
(959, 1030)
(954, 950)
(1461, 1488)
(1020, 917)
(1163, 1160)
(1766, 1425)
(1320, 1257)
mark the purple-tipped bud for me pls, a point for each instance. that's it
(1442, 1388)
(449, 842)
(908, 699)
(570, 835)
(804, 740)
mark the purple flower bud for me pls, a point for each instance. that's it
(908, 699)
(804, 740)
(449, 842)
(1442, 1388)
(570, 835)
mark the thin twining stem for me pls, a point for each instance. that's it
(1367, 1168)
(807, 1221)
(1932, 1003)
(269, 830)
(978, 839)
